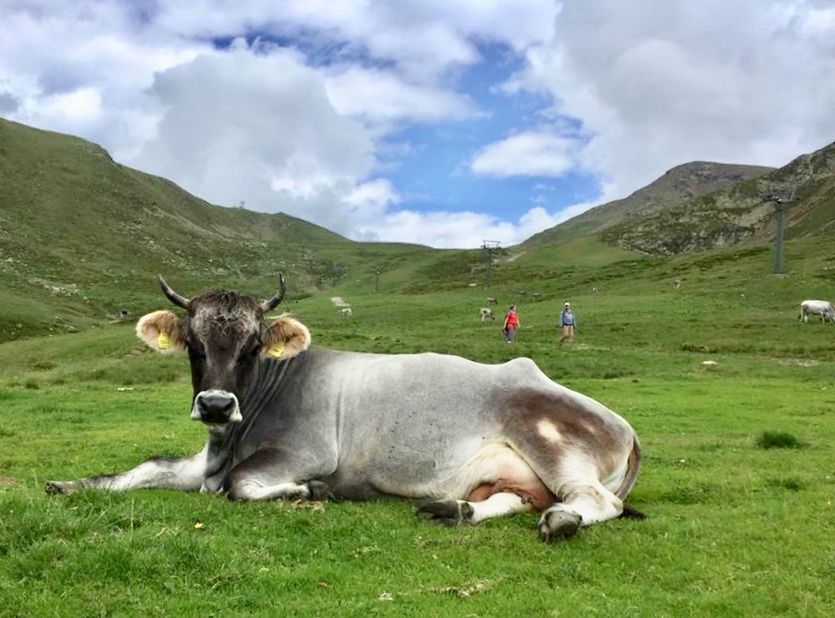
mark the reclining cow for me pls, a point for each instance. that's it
(470, 441)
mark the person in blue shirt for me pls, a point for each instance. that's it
(568, 322)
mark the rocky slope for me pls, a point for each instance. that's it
(740, 212)
(679, 184)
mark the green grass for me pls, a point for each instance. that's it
(732, 529)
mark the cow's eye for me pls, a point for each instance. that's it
(195, 349)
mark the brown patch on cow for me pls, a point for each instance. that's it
(526, 412)
(151, 326)
(289, 334)
(541, 416)
(535, 494)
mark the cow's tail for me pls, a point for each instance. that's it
(633, 464)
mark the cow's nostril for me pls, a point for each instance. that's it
(215, 405)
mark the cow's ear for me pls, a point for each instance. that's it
(163, 331)
(285, 338)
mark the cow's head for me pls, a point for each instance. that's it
(226, 337)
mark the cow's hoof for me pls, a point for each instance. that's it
(558, 524)
(319, 491)
(53, 488)
(447, 512)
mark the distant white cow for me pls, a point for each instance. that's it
(346, 312)
(485, 313)
(492, 301)
(823, 308)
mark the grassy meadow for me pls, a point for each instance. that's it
(733, 528)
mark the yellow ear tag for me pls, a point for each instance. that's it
(276, 350)
(163, 341)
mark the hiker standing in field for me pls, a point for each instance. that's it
(568, 322)
(511, 323)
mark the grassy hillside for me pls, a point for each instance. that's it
(82, 238)
(732, 529)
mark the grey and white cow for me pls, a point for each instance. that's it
(823, 308)
(485, 313)
(468, 441)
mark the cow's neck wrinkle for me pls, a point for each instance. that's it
(223, 439)
(260, 396)
(218, 458)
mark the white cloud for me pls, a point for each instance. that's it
(531, 153)
(460, 230)
(381, 97)
(422, 38)
(634, 90)
(436, 229)
(372, 207)
(372, 199)
(658, 84)
(80, 70)
(77, 108)
(374, 214)
(257, 125)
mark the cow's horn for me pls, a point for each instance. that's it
(175, 298)
(272, 303)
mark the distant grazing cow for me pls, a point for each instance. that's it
(677, 283)
(485, 314)
(492, 301)
(823, 308)
(346, 311)
(468, 440)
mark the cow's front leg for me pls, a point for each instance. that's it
(272, 473)
(184, 473)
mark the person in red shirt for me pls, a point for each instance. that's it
(511, 323)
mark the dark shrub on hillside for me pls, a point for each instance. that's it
(778, 439)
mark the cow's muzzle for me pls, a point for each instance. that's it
(216, 407)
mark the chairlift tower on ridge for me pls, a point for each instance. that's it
(780, 206)
(489, 248)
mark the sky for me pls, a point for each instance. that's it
(430, 121)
